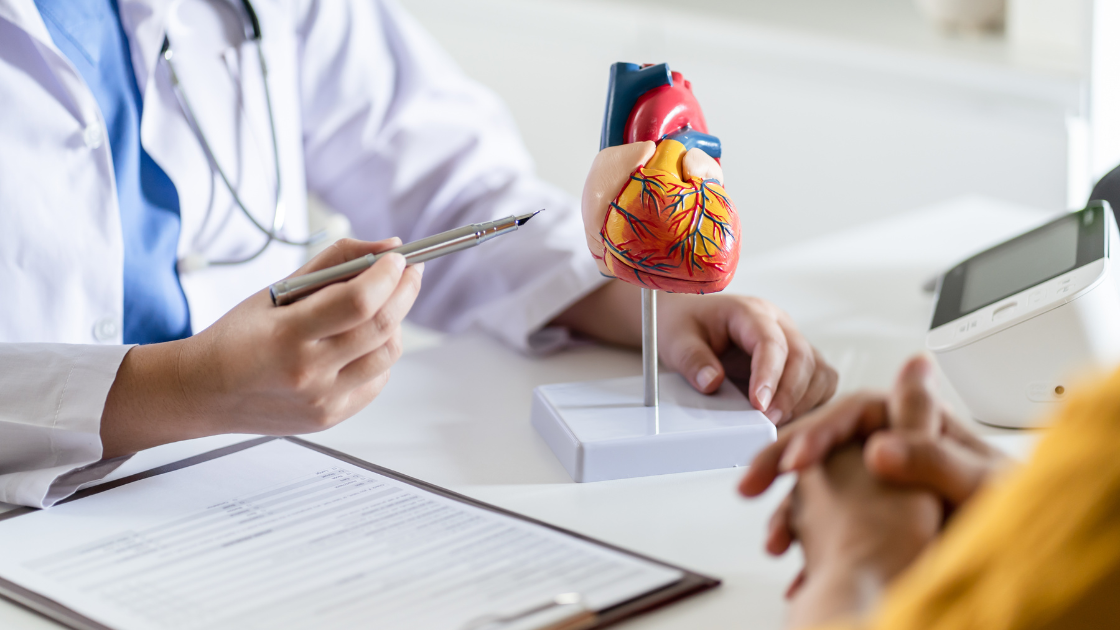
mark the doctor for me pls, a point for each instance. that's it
(155, 158)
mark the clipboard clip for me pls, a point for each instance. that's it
(566, 611)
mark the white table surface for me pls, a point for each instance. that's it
(456, 411)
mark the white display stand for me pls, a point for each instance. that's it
(601, 430)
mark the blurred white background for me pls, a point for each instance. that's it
(831, 112)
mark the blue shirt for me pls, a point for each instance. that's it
(90, 34)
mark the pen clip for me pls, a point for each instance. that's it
(566, 611)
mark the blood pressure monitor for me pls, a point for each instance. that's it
(1015, 327)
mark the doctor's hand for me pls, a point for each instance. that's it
(271, 370)
(788, 375)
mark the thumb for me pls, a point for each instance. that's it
(942, 466)
(608, 176)
(912, 405)
(345, 250)
(692, 356)
(698, 164)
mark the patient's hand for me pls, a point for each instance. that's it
(857, 534)
(911, 440)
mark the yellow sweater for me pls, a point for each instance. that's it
(1039, 549)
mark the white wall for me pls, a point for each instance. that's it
(819, 130)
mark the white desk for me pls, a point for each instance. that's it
(857, 296)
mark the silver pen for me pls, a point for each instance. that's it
(299, 287)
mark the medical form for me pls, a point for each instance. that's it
(279, 533)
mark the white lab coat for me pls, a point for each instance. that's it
(370, 115)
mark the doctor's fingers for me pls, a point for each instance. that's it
(797, 375)
(342, 403)
(822, 387)
(369, 367)
(688, 350)
(697, 163)
(345, 250)
(362, 396)
(754, 327)
(339, 307)
(808, 440)
(362, 339)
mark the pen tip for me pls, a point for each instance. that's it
(523, 219)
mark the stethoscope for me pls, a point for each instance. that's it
(197, 260)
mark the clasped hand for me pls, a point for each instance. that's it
(877, 476)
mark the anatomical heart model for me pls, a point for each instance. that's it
(654, 207)
(656, 216)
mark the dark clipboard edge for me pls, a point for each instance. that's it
(691, 584)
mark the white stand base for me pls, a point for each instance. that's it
(600, 430)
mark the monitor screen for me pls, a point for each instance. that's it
(1066, 243)
(1021, 264)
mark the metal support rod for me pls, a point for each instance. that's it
(649, 345)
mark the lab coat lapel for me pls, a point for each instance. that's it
(25, 15)
(145, 22)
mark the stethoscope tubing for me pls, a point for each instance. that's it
(279, 214)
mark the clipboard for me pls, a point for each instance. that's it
(689, 584)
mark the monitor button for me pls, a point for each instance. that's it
(1005, 312)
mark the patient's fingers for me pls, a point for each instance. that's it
(809, 439)
(795, 585)
(763, 469)
(944, 466)
(778, 534)
(953, 428)
(812, 444)
(913, 401)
